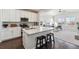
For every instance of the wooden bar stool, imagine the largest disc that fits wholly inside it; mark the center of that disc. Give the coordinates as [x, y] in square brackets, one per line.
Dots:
[50, 38]
[41, 42]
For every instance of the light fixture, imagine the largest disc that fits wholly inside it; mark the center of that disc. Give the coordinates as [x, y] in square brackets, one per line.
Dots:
[60, 10]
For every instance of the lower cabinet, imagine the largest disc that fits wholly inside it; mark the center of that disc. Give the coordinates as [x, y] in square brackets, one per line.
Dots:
[5, 34]
[16, 32]
[10, 33]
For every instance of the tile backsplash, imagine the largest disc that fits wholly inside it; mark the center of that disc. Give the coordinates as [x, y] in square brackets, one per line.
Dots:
[17, 24]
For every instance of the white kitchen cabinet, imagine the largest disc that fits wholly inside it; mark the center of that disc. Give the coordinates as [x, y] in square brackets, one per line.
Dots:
[13, 15]
[16, 32]
[0, 14]
[9, 33]
[1, 35]
[5, 15]
[25, 14]
[17, 16]
[33, 17]
[30, 15]
[10, 15]
[5, 34]
[22, 13]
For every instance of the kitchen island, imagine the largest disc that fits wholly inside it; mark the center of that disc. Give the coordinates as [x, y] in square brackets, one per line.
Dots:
[29, 36]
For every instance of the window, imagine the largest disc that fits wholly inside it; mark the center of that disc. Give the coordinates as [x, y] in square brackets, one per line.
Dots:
[70, 19]
[61, 19]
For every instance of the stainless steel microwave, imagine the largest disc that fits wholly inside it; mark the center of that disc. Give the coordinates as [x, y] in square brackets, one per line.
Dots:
[24, 19]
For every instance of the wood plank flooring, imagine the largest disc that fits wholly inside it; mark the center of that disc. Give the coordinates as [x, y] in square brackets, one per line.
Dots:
[61, 44]
[17, 44]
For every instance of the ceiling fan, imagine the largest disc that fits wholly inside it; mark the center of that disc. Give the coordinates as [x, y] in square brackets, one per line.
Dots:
[60, 10]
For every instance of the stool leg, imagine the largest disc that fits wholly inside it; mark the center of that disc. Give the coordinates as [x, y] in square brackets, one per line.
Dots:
[36, 43]
[53, 41]
[46, 43]
[41, 43]
[49, 42]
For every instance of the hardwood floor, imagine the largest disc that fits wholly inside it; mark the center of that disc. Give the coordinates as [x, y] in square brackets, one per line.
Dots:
[61, 44]
[15, 43]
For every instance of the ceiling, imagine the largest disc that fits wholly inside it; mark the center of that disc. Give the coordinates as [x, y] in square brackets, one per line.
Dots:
[71, 10]
[65, 10]
[36, 10]
[58, 10]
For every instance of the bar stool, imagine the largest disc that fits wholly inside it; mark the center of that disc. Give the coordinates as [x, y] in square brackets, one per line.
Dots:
[41, 42]
[50, 38]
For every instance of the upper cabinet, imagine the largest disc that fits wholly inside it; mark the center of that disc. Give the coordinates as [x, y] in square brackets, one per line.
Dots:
[10, 15]
[13, 15]
[33, 17]
[0, 14]
[17, 15]
[30, 15]
[5, 15]
[24, 14]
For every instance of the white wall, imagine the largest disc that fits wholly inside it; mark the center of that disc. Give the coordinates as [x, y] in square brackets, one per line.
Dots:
[76, 14]
[46, 15]
[69, 27]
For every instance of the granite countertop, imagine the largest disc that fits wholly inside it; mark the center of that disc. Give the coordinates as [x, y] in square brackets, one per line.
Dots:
[37, 30]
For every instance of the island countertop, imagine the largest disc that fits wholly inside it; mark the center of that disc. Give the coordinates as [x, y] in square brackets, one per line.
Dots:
[30, 35]
[37, 30]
